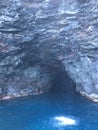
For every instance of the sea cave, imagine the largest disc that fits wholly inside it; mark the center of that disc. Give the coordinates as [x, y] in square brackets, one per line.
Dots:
[48, 64]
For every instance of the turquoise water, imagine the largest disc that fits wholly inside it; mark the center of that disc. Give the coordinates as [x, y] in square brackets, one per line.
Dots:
[48, 112]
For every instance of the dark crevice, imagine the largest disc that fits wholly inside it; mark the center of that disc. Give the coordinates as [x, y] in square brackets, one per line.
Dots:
[62, 82]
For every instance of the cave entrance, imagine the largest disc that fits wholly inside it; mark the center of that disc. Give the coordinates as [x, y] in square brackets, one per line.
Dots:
[62, 82]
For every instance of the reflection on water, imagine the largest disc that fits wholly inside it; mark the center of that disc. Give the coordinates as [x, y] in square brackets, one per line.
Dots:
[61, 120]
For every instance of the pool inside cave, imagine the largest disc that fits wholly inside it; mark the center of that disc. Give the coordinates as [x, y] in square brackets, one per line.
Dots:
[59, 109]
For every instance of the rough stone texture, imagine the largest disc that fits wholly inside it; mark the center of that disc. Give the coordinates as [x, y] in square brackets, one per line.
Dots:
[40, 37]
[31, 80]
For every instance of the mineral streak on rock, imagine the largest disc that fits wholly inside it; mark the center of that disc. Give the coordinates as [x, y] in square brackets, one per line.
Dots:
[6, 48]
[40, 38]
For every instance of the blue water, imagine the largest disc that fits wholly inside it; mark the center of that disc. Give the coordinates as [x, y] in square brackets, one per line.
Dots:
[40, 112]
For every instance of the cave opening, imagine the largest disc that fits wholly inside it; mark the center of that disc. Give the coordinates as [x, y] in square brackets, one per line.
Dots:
[62, 82]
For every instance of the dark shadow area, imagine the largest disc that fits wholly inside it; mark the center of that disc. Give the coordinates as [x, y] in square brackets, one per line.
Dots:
[62, 82]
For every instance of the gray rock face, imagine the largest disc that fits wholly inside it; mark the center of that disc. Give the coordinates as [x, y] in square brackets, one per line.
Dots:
[38, 38]
[31, 80]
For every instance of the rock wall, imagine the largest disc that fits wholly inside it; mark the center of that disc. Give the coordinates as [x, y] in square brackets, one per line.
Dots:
[40, 38]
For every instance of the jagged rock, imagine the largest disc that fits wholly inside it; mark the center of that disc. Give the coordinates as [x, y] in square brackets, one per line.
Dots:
[31, 80]
[43, 37]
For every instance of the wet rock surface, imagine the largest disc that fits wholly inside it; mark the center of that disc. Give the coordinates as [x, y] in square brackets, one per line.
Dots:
[38, 39]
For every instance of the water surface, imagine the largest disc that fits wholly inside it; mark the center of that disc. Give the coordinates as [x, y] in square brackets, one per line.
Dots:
[48, 112]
